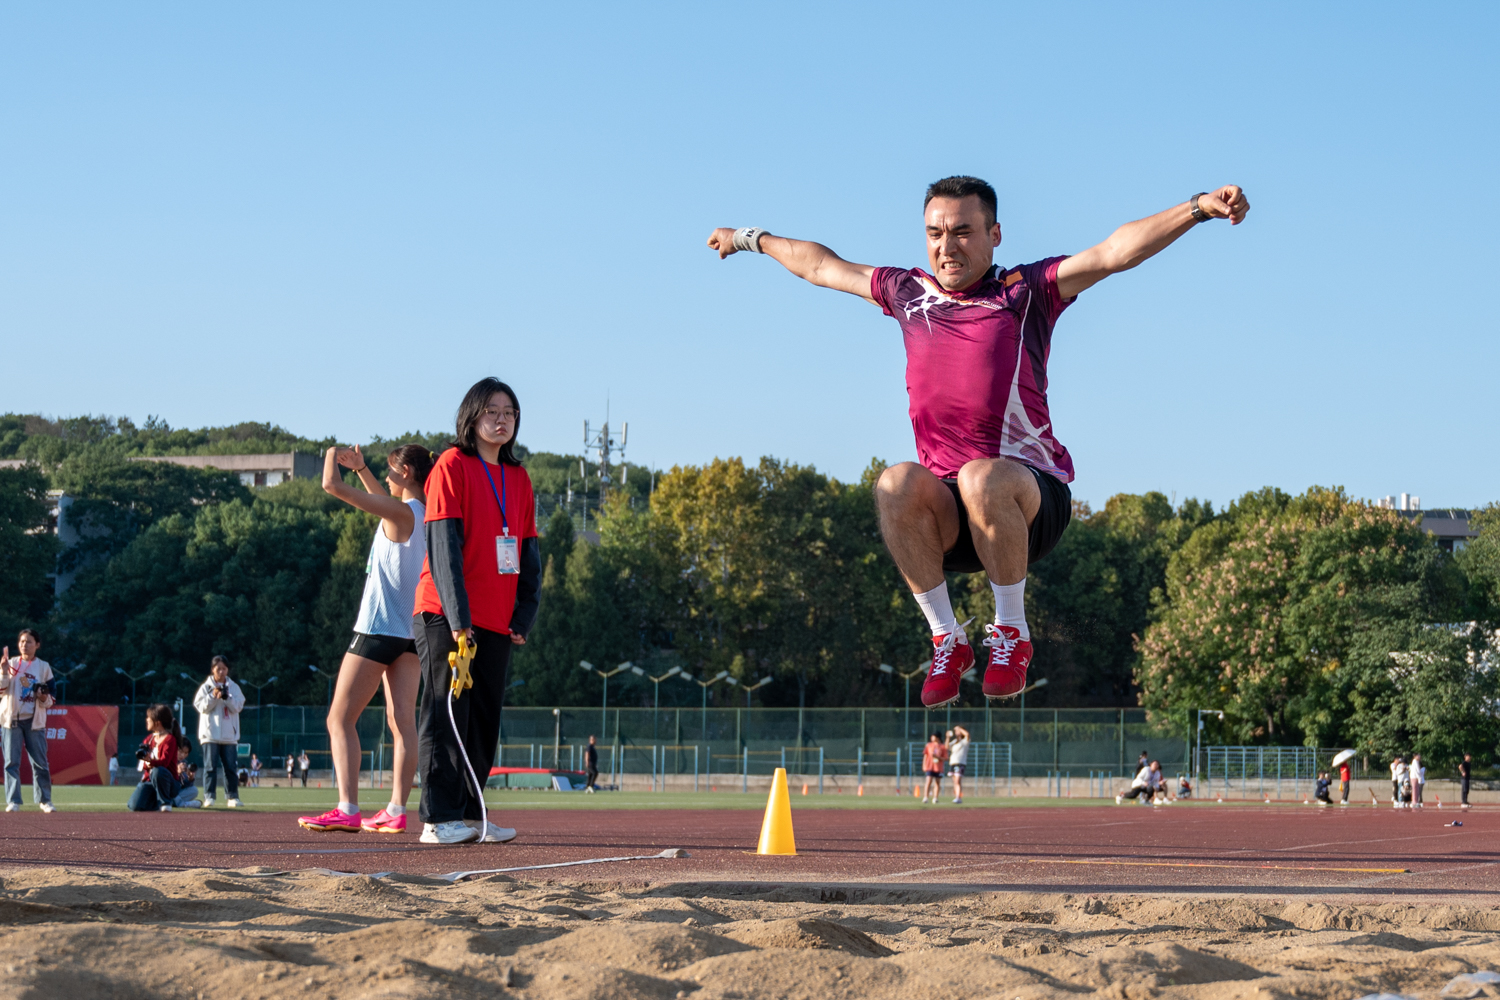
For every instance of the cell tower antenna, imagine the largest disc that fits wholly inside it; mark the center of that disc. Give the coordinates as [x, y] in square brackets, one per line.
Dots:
[608, 447]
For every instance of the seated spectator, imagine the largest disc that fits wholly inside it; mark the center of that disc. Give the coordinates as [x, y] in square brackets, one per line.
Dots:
[1184, 787]
[1321, 794]
[159, 785]
[188, 775]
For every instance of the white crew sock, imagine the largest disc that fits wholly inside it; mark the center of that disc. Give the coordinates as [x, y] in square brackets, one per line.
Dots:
[348, 808]
[938, 609]
[395, 810]
[1010, 607]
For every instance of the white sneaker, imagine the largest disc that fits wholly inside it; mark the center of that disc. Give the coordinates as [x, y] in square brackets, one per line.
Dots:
[12, 807]
[166, 809]
[493, 834]
[234, 804]
[958, 802]
[208, 801]
[455, 832]
[48, 807]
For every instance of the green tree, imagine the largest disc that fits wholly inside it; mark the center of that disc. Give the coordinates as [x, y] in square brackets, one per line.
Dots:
[1282, 612]
[240, 579]
[113, 500]
[28, 551]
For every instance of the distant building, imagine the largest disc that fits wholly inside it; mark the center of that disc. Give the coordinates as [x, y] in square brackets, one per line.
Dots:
[1450, 526]
[254, 470]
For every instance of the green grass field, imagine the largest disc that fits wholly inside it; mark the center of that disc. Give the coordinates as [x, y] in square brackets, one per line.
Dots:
[268, 799]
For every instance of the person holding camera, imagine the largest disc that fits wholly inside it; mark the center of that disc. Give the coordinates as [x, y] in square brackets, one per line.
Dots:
[25, 693]
[159, 785]
[219, 703]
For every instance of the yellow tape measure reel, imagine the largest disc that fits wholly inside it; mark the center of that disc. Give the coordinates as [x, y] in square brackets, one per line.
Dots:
[458, 665]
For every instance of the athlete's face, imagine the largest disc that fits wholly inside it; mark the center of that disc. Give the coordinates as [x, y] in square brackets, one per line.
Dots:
[497, 424]
[961, 241]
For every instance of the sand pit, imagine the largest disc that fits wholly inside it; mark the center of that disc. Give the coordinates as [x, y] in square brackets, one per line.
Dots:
[77, 934]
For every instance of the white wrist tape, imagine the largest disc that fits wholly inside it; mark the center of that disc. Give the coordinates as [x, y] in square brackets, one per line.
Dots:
[748, 239]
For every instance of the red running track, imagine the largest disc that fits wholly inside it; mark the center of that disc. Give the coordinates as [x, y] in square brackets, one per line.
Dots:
[1331, 853]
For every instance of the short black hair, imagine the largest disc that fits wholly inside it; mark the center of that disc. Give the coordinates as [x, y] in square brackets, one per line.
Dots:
[962, 187]
[470, 410]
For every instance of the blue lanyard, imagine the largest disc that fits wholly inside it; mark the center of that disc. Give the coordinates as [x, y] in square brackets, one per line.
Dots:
[499, 497]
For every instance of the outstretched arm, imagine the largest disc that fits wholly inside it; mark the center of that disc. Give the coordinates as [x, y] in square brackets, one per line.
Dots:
[809, 261]
[1138, 241]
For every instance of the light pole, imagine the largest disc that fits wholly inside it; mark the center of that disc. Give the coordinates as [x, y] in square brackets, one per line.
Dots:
[1039, 684]
[330, 683]
[752, 687]
[604, 705]
[268, 683]
[62, 680]
[1198, 753]
[886, 668]
[133, 679]
[656, 704]
[556, 738]
[705, 685]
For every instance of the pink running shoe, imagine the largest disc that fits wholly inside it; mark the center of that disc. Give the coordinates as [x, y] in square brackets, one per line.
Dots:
[384, 822]
[332, 820]
[950, 661]
[1010, 655]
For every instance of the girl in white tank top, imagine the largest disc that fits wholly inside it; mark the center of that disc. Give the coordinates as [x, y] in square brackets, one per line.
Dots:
[382, 652]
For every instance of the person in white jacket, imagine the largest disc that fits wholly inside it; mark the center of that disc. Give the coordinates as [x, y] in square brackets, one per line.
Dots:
[219, 703]
[1144, 784]
[25, 693]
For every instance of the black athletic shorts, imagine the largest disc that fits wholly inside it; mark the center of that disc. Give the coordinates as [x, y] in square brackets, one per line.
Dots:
[957, 770]
[1052, 517]
[383, 649]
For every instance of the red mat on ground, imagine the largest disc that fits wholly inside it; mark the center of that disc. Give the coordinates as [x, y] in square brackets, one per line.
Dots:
[1348, 852]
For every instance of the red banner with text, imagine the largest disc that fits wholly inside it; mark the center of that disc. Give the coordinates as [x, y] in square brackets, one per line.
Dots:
[80, 741]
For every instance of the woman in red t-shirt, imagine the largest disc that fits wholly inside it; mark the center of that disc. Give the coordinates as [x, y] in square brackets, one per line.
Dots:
[482, 578]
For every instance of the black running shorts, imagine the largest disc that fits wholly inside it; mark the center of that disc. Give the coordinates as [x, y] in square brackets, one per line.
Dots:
[383, 649]
[1052, 517]
[957, 770]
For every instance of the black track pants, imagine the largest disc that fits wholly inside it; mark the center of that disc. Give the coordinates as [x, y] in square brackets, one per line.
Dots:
[447, 793]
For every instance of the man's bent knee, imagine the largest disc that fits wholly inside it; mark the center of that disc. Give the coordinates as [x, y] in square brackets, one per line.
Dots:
[905, 481]
[986, 480]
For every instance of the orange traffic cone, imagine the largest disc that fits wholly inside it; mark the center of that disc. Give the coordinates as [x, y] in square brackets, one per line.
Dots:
[804, 788]
[776, 829]
[861, 791]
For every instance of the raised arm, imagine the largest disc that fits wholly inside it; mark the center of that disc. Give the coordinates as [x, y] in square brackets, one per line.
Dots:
[1138, 241]
[397, 520]
[809, 261]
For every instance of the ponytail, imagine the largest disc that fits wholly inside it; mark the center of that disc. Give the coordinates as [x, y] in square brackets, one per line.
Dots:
[415, 457]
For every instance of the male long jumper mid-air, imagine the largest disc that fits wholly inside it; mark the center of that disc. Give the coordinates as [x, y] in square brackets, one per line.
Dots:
[991, 489]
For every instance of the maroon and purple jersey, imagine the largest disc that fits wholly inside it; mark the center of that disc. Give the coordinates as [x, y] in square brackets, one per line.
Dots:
[976, 364]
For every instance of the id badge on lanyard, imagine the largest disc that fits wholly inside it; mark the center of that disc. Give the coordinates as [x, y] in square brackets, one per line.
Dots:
[507, 555]
[507, 548]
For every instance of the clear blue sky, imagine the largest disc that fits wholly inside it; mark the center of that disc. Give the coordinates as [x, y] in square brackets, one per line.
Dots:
[337, 216]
